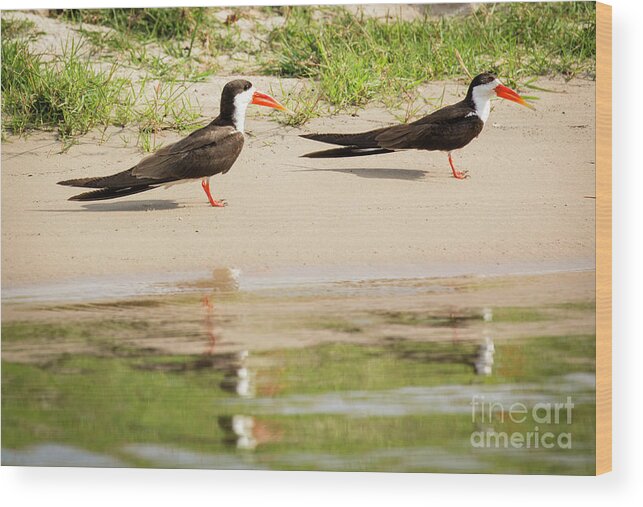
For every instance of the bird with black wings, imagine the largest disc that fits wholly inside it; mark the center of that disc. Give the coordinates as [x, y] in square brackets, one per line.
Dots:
[205, 152]
[447, 129]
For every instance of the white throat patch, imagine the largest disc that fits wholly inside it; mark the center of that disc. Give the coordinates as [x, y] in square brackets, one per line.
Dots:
[241, 102]
[482, 95]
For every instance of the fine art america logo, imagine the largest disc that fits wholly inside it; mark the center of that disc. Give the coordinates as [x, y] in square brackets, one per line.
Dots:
[524, 424]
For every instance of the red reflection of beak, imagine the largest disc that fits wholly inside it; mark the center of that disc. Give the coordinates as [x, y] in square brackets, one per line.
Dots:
[261, 99]
[507, 93]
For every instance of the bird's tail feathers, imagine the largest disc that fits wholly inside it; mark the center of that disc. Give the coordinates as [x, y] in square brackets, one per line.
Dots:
[82, 182]
[348, 151]
[124, 179]
[109, 193]
[354, 145]
[361, 139]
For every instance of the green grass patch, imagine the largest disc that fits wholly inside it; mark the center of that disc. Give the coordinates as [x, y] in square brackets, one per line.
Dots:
[103, 404]
[304, 102]
[116, 46]
[16, 28]
[347, 60]
[67, 93]
[169, 107]
[357, 60]
[180, 29]
[163, 42]
[162, 24]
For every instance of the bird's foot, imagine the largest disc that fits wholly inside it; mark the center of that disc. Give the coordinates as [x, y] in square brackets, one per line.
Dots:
[460, 175]
[221, 203]
[214, 203]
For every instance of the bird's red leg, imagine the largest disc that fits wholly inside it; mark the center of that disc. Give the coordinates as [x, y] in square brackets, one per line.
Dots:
[206, 188]
[457, 174]
[209, 325]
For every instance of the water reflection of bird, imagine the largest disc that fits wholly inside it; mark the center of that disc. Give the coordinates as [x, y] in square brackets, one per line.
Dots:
[484, 361]
[222, 280]
[209, 325]
[246, 432]
[225, 279]
[242, 425]
[238, 378]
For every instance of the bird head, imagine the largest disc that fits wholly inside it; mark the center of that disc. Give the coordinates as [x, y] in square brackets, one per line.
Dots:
[485, 86]
[242, 93]
[236, 97]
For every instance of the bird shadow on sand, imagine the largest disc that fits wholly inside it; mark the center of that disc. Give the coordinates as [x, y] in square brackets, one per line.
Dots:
[381, 173]
[147, 205]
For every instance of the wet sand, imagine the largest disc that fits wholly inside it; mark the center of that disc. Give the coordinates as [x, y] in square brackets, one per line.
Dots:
[527, 207]
[213, 315]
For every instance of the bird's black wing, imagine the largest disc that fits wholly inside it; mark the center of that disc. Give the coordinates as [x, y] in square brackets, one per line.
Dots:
[360, 140]
[449, 128]
[205, 152]
[446, 132]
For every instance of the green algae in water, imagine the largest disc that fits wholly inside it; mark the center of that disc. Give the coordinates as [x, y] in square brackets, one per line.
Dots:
[321, 378]
[331, 406]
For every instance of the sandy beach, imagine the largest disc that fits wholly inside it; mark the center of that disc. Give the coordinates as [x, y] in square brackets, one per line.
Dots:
[528, 205]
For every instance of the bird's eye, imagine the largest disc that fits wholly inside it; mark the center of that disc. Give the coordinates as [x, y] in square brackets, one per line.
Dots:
[247, 86]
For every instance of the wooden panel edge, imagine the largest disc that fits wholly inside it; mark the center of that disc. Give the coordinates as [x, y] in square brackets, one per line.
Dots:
[603, 238]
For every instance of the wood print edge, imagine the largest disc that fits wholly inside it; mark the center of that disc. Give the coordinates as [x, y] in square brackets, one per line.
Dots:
[603, 238]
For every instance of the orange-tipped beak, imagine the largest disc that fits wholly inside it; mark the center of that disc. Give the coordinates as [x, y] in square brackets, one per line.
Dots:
[261, 99]
[507, 93]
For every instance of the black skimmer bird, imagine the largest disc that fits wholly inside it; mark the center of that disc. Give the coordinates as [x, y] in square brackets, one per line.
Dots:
[205, 152]
[447, 129]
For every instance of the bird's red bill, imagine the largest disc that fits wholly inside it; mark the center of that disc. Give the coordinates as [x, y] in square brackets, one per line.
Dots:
[507, 93]
[261, 99]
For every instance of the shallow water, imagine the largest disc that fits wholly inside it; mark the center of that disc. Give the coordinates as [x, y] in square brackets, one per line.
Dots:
[404, 375]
